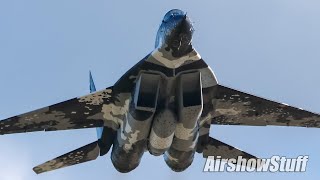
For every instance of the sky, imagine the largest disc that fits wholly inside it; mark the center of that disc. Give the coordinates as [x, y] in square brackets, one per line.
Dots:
[269, 48]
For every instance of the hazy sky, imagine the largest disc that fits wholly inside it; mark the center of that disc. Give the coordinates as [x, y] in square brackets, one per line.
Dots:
[270, 48]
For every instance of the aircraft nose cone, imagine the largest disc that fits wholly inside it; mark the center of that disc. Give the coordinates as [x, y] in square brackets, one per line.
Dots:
[177, 19]
[176, 30]
[174, 14]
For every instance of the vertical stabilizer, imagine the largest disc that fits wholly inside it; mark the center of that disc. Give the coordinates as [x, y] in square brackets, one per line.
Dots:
[92, 86]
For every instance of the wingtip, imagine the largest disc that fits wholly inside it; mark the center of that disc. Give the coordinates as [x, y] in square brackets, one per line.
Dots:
[37, 170]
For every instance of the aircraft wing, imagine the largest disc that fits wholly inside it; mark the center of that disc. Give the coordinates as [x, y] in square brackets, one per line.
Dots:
[83, 112]
[234, 107]
[216, 148]
[84, 154]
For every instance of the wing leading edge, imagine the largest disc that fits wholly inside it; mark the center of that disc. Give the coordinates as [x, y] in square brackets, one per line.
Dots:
[225, 152]
[77, 113]
[84, 154]
[234, 107]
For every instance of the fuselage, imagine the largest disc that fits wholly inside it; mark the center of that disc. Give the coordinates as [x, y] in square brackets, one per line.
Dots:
[164, 111]
[160, 105]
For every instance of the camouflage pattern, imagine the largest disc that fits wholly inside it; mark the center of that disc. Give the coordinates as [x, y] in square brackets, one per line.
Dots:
[166, 123]
[165, 104]
[181, 153]
[237, 108]
[83, 112]
[162, 132]
[92, 88]
[216, 148]
[81, 155]
[134, 130]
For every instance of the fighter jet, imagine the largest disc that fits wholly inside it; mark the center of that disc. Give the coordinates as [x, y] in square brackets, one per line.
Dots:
[165, 104]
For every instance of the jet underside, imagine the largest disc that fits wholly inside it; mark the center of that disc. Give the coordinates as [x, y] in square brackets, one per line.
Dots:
[166, 112]
[165, 104]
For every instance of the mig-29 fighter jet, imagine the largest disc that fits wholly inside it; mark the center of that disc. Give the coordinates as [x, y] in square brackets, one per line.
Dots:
[165, 104]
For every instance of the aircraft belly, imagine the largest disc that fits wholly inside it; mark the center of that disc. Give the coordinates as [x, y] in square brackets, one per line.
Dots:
[162, 132]
[134, 130]
[189, 109]
[164, 123]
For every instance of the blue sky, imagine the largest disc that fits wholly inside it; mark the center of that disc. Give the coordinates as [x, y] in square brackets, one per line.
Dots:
[270, 48]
